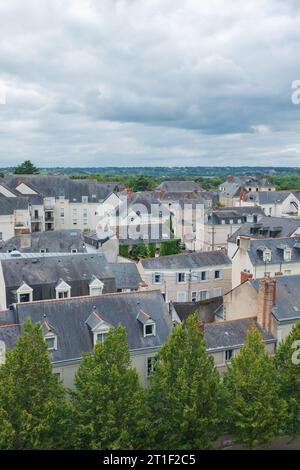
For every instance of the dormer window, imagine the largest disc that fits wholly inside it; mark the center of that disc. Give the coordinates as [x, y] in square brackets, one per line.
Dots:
[101, 337]
[149, 329]
[24, 293]
[287, 254]
[267, 256]
[98, 327]
[63, 290]
[51, 342]
[96, 286]
[149, 326]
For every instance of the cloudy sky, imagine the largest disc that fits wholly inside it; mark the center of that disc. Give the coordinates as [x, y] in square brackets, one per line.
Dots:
[149, 82]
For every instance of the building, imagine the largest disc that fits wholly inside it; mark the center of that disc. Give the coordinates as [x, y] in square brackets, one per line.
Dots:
[127, 276]
[14, 217]
[66, 203]
[73, 326]
[267, 227]
[274, 203]
[30, 277]
[224, 339]
[219, 225]
[178, 187]
[56, 241]
[272, 256]
[234, 189]
[275, 302]
[188, 276]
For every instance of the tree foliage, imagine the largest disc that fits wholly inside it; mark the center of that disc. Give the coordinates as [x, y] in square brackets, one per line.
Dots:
[26, 168]
[288, 367]
[184, 393]
[108, 401]
[32, 401]
[254, 409]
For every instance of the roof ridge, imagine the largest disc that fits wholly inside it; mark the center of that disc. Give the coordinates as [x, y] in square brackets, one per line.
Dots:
[89, 296]
[231, 321]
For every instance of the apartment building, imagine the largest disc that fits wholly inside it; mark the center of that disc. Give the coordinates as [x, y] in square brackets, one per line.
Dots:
[234, 189]
[73, 326]
[274, 203]
[188, 277]
[273, 256]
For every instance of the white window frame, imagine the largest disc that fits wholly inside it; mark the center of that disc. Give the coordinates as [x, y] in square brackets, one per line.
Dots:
[201, 292]
[288, 252]
[24, 289]
[150, 323]
[231, 350]
[96, 287]
[63, 288]
[160, 278]
[54, 337]
[177, 277]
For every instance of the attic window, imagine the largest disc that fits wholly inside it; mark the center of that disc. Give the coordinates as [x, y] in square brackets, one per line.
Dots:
[51, 342]
[287, 254]
[149, 329]
[63, 290]
[101, 337]
[267, 255]
[24, 293]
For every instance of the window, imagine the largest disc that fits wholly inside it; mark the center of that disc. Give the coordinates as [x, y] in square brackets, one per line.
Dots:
[180, 277]
[287, 255]
[231, 221]
[228, 354]
[157, 278]
[149, 329]
[239, 221]
[97, 290]
[151, 362]
[63, 294]
[223, 222]
[267, 255]
[181, 296]
[287, 272]
[51, 343]
[203, 295]
[193, 296]
[24, 298]
[74, 250]
[218, 274]
[85, 199]
[218, 292]
[101, 336]
[204, 276]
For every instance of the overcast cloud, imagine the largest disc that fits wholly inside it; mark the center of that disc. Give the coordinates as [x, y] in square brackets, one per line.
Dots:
[149, 82]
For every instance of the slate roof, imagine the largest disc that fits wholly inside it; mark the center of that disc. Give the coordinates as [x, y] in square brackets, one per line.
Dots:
[71, 189]
[204, 308]
[233, 187]
[8, 205]
[126, 275]
[233, 213]
[256, 247]
[43, 272]
[187, 260]
[143, 198]
[287, 300]
[231, 334]
[69, 316]
[55, 241]
[267, 227]
[179, 186]
[267, 197]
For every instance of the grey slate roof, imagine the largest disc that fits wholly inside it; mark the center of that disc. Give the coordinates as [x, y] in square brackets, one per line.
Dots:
[126, 275]
[68, 317]
[8, 205]
[267, 227]
[187, 260]
[55, 241]
[267, 197]
[204, 308]
[42, 274]
[179, 186]
[231, 334]
[56, 186]
[287, 301]
[233, 187]
[233, 213]
[255, 250]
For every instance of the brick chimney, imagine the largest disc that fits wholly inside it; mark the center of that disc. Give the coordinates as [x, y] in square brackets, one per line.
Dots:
[266, 301]
[245, 276]
[129, 194]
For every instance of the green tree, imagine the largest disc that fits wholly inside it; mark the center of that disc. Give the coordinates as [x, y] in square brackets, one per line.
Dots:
[108, 400]
[184, 394]
[26, 168]
[141, 183]
[32, 401]
[288, 367]
[140, 251]
[7, 433]
[170, 247]
[254, 409]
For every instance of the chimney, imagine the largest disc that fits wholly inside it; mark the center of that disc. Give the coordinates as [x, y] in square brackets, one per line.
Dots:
[245, 276]
[25, 240]
[129, 194]
[266, 301]
[229, 179]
